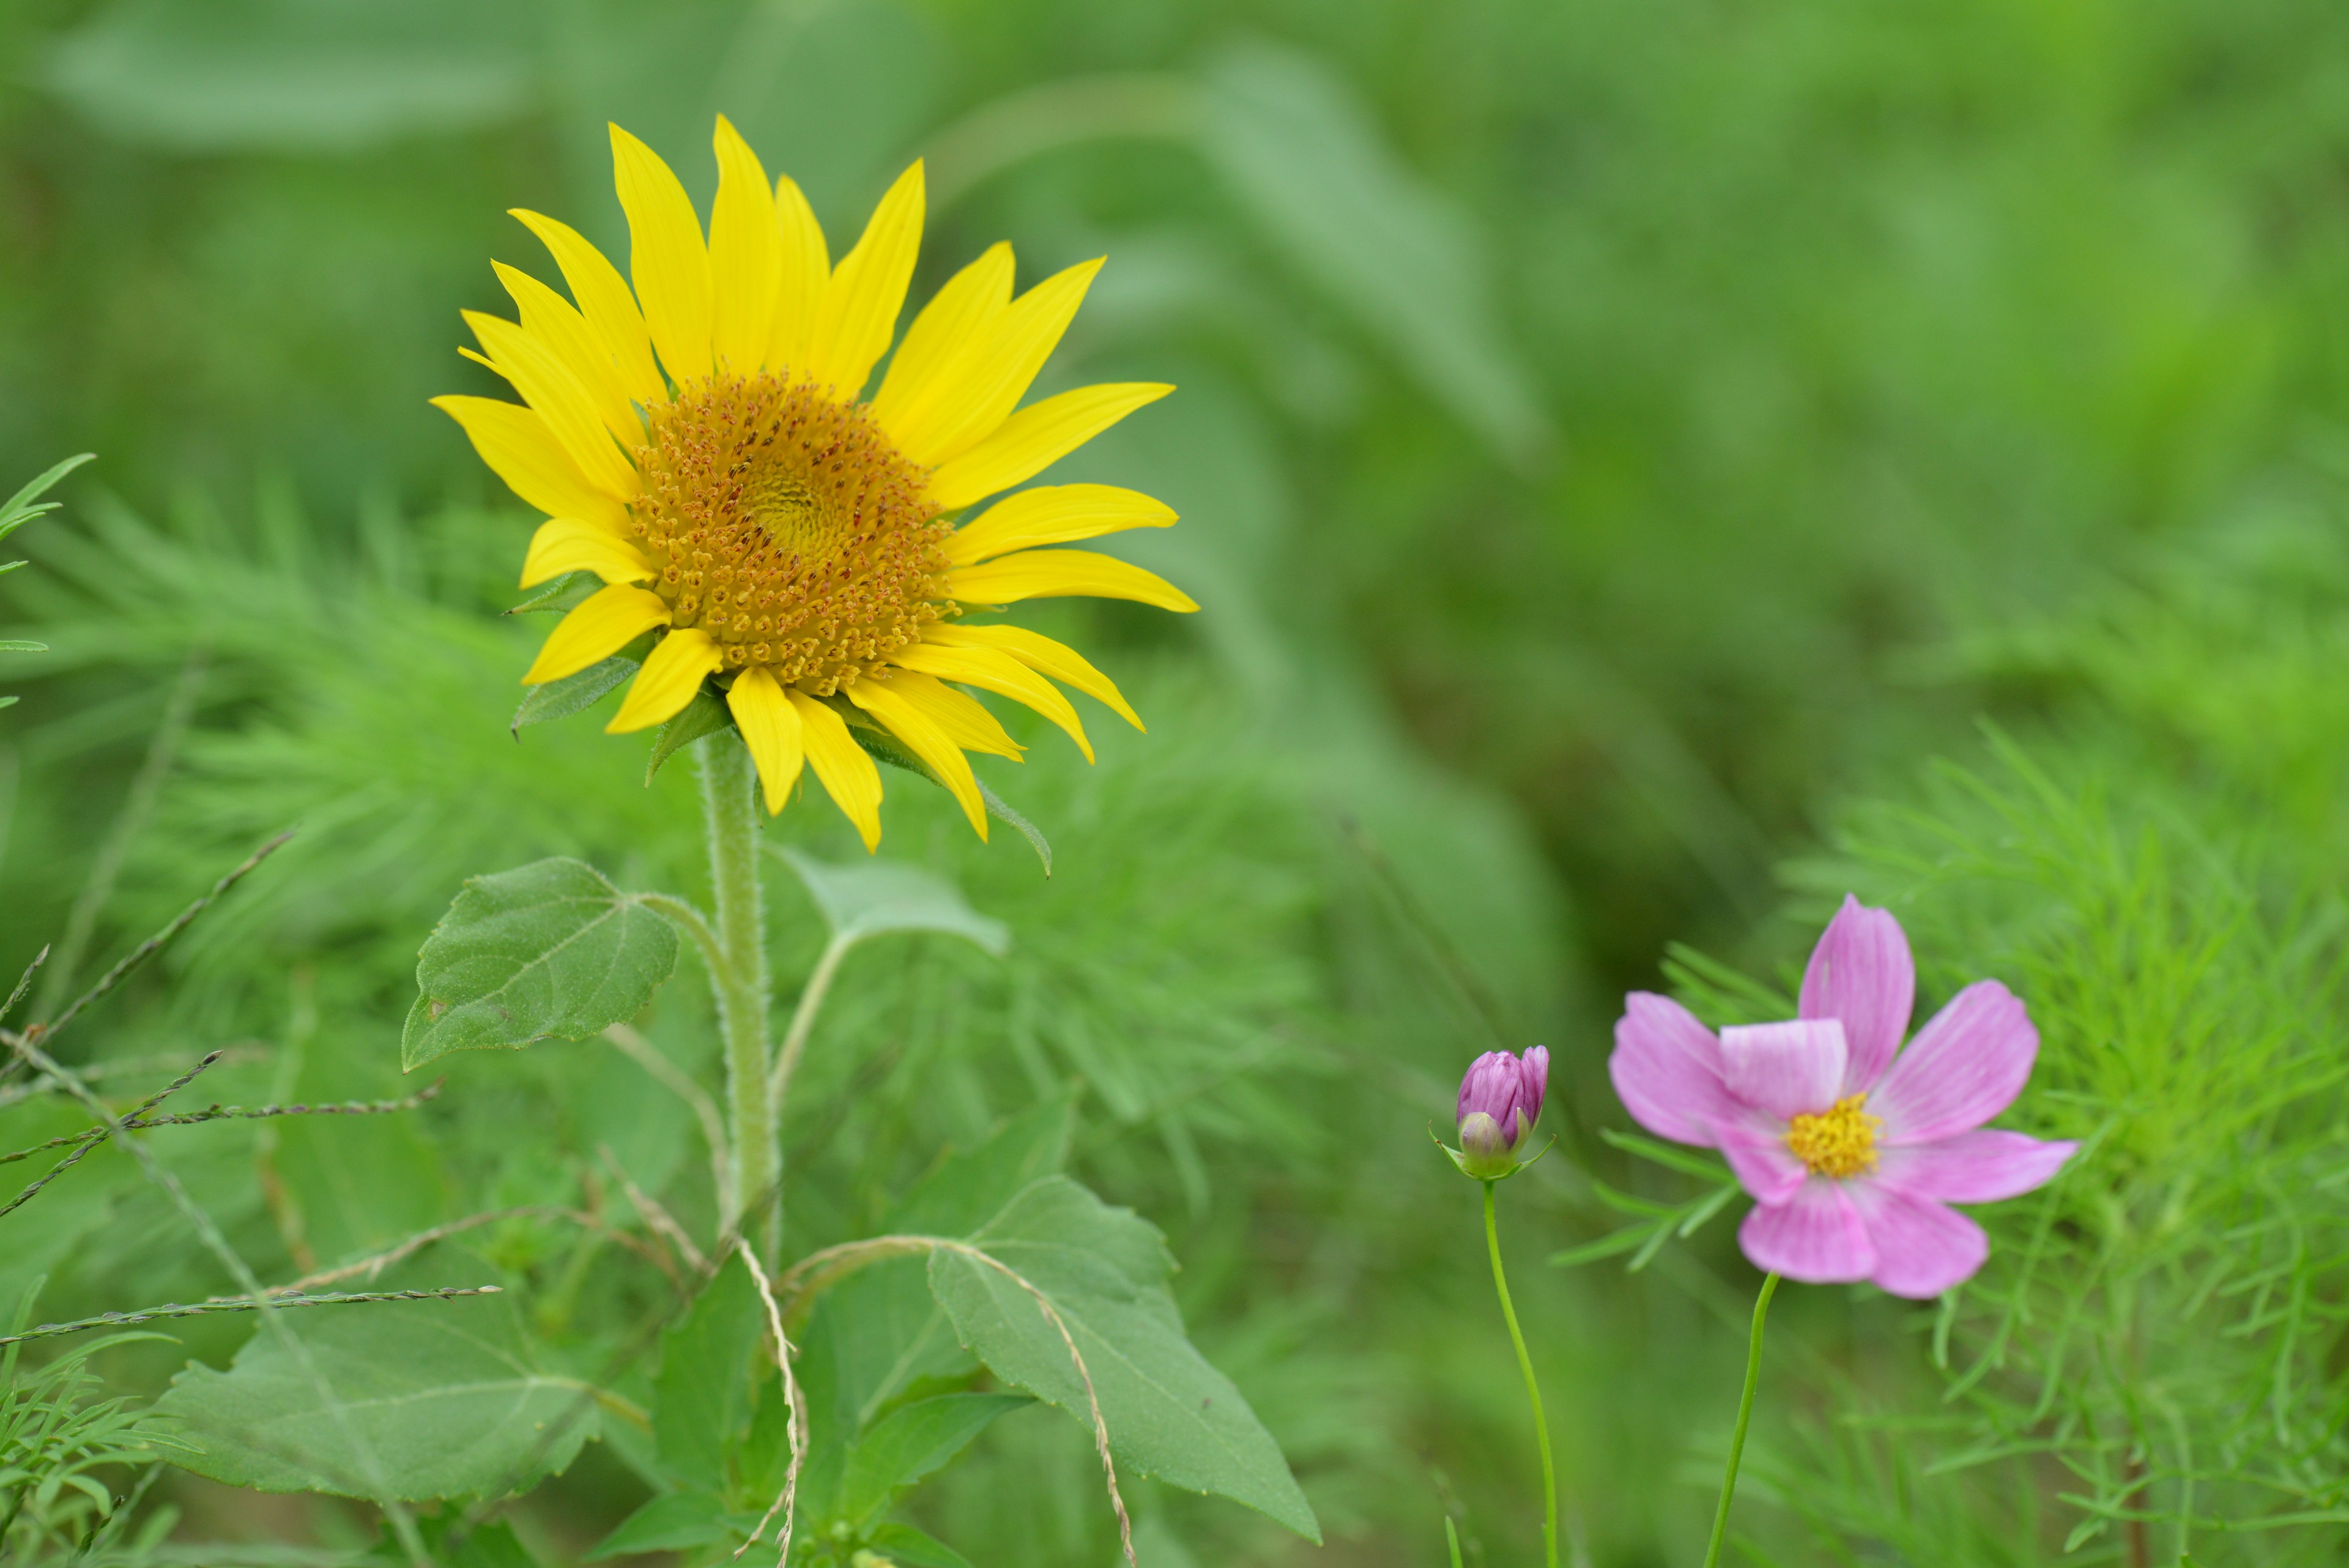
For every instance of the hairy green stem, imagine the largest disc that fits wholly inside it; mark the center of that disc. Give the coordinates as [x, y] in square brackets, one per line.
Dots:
[1745, 1415]
[730, 809]
[1533, 1389]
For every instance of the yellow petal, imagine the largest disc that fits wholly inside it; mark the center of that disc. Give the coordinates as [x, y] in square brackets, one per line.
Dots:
[604, 300]
[1057, 574]
[665, 256]
[798, 291]
[987, 380]
[846, 772]
[549, 318]
[545, 385]
[566, 545]
[859, 312]
[521, 449]
[911, 723]
[1042, 654]
[598, 627]
[746, 255]
[966, 309]
[965, 719]
[1054, 515]
[1036, 437]
[992, 669]
[668, 679]
[771, 729]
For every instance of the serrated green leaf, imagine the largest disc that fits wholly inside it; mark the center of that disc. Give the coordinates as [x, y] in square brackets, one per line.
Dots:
[560, 597]
[911, 1443]
[1169, 1413]
[705, 715]
[548, 951]
[444, 1395]
[883, 747]
[675, 1522]
[905, 1545]
[875, 898]
[456, 1540]
[560, 698]
[701, 1399]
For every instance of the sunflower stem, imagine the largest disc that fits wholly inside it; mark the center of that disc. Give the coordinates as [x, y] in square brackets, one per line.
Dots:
[729, 808]
[1745, 1415]
[1533, 1389]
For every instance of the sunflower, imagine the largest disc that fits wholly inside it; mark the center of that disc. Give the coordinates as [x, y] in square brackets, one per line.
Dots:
[702, 443]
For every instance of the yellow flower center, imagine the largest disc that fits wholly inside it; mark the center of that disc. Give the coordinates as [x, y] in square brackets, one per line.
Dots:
[1840, 1141]
[788, 527]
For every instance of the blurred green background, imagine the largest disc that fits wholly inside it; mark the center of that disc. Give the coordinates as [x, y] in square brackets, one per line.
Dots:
[1612, 438]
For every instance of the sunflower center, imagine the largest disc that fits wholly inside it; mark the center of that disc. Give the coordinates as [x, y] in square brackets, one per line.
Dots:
[1840, 1141]
[788, 527]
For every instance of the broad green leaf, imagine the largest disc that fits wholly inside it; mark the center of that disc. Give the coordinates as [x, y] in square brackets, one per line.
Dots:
[443, 1394]
[883, 747]
[967, 1190]
[560, 698]
[875, 897]
[548, 951]
[702, 1396]
[1103, 1270]
[903, 1543]
[675, 1522]
[705, 715]
[912, 1443]
[1312, 168]
[457, 1541]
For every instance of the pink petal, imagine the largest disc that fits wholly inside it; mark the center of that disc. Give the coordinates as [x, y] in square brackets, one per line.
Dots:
[1963, 1067]
[1756, 1147]
[1786, 1069]
[1979, 1166]
[1862, 975]
[1922, 1248]
[1817, 1236]
[1667, 1069]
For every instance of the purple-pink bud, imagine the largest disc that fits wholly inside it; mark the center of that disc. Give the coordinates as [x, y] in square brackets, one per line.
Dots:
[1507, 1088]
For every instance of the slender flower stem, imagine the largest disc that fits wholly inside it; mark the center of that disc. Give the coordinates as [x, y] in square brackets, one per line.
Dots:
[1745, 1415]
[730, 811]
[1533, 1389]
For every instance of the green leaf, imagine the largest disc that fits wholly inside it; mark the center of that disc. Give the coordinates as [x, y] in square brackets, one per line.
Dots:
[914, 1548]
[443, 1394]
[912, 1443]
[562, 596]
[548, 951]
[705, 715]
[701, 1399]
[20, 509]
[967, 1190]
[675, 1522]
[560, 698]
[455, 1541]
[1169, 1413]
[1672, 1157]
[875, 898]
[18, 645]
[883, 747]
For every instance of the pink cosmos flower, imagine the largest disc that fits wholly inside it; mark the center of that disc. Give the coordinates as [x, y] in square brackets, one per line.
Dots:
[1852, 1147]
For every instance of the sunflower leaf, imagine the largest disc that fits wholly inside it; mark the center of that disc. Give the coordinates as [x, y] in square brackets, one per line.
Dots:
[705, 715]
[548, 951]
[561, 596]
[560, 698]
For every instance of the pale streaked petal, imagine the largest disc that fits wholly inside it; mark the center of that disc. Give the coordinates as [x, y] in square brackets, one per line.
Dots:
[566, 545]
[1042, 654]
[669, 680]
[1922, 1248]
[1980, 1167]
[604, 299]
[521, 449]
[597, 627]
[554, 321]
[1861, 973]
[667, 257]
[1666, 1068]
[546, 385]
[1963, 1067]
[746, 259]
[1816, 1236]
[1054, 515]
[806, 268]
[1049, 574]
[1789, 1069]
[1756, 1146]
[923, 737]
[858, 315]
[1037, 437]
[992, 669]
[841, 766]
[771, 728]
